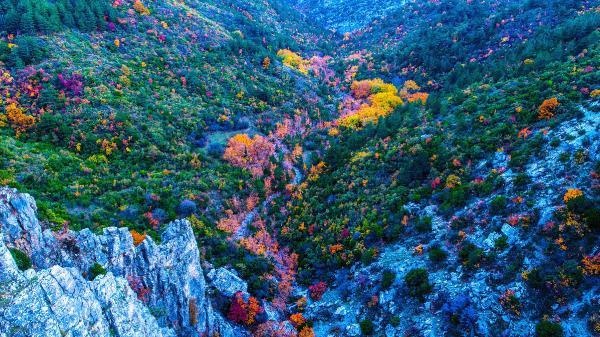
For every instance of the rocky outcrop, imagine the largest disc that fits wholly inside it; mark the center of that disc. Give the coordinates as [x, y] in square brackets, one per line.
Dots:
[226, 282]
[165, 279]
[60, 302]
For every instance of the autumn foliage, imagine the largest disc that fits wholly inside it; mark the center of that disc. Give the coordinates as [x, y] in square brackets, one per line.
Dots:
[136, 284]
[378, 99]
[548, 108]
[137, 237]
[243, 312]
[365, 88]
[306, 332]
[572, 193]
[317, 290]
[293, 60]
[140, 8]
[250, 153]
[193, 311]
[297, 319]
[420, 97]
[509, 301]
[266, 63]
[274, 329]
[591, 264]
[18, 120]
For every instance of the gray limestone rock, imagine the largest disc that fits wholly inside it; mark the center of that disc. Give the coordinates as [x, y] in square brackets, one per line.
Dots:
[150, 289]
[226, 282]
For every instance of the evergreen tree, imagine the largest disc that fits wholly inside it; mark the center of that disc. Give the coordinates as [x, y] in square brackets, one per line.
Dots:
[27, 24]
[44, 16]
[11, 21]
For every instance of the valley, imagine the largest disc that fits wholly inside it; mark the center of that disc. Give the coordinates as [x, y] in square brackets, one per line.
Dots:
[299, 168]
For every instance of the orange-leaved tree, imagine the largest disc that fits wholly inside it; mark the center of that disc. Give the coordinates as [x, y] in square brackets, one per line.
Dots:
[306, 332]
[140, 8]
[418, 97]
[18, 120]
[571, 194]
[266, 63]
[366, 88]
[378, 99]
[244, 312]
[250, 153]
[137, 237]
[548, 108]
[297, 319]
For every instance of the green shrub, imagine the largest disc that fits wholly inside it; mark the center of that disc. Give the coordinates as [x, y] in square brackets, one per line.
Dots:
[501, 242]
[579, 204]
[368, 256]
[455, 197]
[387, 279]
[96, 269]
[522, 180]
[470, 255]
[417, 281]
[518, 158]
[592, 218]
[498, 205]
[437, 254]
[21, 259]
[548, 329]
[424, 225]
[570, 270]
[367, 327]
[564, 157]
[536, 278]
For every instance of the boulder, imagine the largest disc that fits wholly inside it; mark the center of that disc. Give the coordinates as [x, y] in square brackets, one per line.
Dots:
[226, 282]
[511, 232]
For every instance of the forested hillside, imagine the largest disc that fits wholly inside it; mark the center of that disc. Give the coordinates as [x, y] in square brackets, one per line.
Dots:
[348, 168]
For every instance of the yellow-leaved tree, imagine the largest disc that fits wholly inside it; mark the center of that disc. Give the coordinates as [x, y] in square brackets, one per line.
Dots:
[382, 98]
[293, 60]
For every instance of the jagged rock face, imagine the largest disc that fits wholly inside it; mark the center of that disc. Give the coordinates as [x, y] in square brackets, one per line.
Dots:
[167, 279]
[19, 221]
[60, 302]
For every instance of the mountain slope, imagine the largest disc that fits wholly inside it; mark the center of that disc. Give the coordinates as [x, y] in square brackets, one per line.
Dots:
[345, 168]
[357, 14]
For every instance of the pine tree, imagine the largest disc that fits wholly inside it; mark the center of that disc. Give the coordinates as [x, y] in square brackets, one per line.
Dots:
[27, 24]
[66, 10]
[11, 21]
[53, 19]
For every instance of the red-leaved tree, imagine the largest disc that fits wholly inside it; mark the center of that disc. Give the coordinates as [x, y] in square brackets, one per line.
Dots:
[243, 312]
[317, 290]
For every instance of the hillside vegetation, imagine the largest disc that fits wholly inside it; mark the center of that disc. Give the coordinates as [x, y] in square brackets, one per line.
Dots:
[312, 143]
